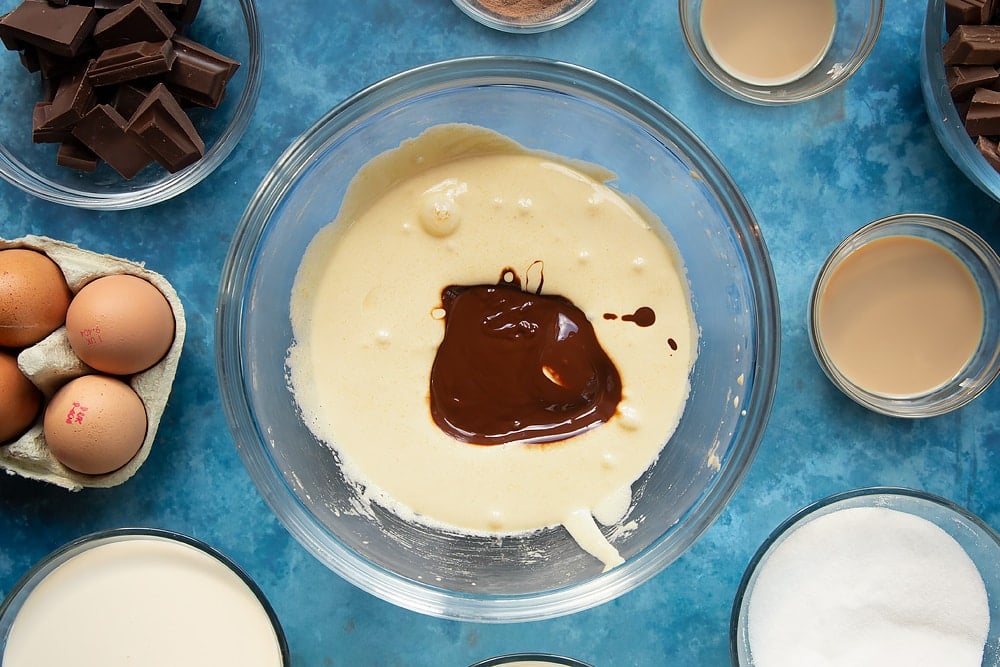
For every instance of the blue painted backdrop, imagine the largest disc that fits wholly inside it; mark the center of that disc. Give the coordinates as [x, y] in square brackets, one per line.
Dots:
[811, 172]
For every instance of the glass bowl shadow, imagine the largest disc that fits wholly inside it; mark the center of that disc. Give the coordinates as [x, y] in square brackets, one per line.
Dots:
[230, 28]
[576, 113]
[945, 119]
[858, 25]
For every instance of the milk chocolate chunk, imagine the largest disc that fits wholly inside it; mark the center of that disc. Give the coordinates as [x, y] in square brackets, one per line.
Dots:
[199, 74]
[75, 155]
[961, 12]
[165, 131]
[518, 366]
[138, 21]
[983, 117]
[132, 61]
[990, 151]
[102, 130]
[61, 31]
[973, 45]
[963, 80]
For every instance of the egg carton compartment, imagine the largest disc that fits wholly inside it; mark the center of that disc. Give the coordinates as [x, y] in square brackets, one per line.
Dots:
[51, 363]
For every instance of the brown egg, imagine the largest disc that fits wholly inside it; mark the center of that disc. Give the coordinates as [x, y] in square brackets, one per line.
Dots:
[34, 297]
[120, 324]
[94, 424]
[19, 399]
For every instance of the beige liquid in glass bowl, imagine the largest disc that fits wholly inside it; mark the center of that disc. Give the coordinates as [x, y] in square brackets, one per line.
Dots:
[142, 600]
[768, 42]
[900, 316]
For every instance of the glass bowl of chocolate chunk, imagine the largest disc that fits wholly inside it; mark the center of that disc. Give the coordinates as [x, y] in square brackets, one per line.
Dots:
[960, 80]
[497, 339]
[119, 104]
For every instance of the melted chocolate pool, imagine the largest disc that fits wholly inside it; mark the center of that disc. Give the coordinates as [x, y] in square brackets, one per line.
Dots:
[518, 366]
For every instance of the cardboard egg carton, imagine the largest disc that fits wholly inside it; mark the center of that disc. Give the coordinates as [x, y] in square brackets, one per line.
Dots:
[51, 363]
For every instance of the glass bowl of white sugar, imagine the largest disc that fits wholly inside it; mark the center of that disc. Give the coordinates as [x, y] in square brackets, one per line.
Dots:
[872, 576]
[774, 52]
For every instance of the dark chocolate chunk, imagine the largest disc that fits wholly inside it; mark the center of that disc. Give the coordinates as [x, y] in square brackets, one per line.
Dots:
[127, 99]
[54, 68]
[963, 81]
[61, 31]
[199, 74]
[41, 131]
[132, 61]
[988, 11]
[961, 12]
[189, 11]
[29, 58]
[973, 45]
[990, 151]
[75, 155]
[983, 117]
[105, 6]
[73, 99]
[138, 21]
[103, 131]
[165, 131]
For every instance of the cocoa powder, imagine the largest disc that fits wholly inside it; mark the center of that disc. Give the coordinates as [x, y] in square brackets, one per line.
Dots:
[525, 10]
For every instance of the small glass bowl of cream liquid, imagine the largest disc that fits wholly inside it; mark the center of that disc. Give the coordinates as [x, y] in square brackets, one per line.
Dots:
[779, 51]
[139, 597]
[904, 316]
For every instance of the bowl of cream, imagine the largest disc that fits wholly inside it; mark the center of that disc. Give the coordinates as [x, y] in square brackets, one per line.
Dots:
[497, 339]
[141, 596]
[872, 576]
[904, 314]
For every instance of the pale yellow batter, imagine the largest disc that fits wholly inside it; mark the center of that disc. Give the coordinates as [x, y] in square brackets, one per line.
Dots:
[456, 206]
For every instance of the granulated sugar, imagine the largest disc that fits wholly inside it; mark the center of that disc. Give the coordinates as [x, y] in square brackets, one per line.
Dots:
[868, 586]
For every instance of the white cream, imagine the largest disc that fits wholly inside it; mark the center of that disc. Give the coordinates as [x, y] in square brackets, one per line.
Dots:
[142, 601]
[456, 206]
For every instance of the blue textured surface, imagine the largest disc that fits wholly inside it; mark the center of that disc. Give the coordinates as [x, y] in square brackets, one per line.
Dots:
[812, 173]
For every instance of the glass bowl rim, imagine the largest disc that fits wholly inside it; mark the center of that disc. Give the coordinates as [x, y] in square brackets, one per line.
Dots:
[62, 554]
[803, 513]
[572, 12]
[174, 184]
[766, 95]
[507, 658]
[941, 109]
[387, 585]
[907, 407]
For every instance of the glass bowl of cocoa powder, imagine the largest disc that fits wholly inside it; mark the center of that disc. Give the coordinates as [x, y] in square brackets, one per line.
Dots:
[524, 16]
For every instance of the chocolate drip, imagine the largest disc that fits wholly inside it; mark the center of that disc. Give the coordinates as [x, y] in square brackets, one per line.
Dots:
[515, 366]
